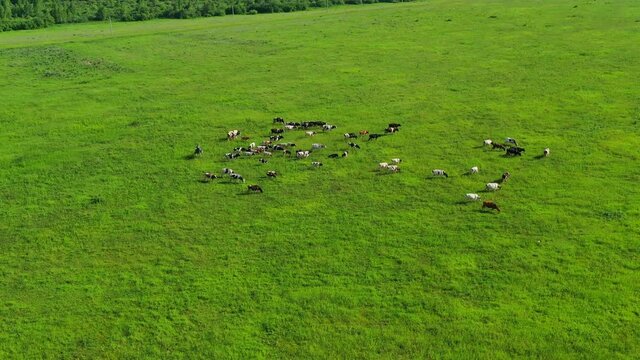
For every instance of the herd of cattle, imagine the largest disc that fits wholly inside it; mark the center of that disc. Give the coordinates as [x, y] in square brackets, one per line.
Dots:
[271, 145]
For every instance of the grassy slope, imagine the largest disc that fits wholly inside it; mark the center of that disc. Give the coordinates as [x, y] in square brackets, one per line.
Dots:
[338, 261]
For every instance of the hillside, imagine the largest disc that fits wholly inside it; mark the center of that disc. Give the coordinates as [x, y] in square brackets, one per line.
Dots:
[112, 246]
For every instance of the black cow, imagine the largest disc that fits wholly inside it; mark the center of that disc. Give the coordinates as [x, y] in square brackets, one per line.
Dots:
[254, 188]
[198, 151]
[515, 151]
[354, 145]
[278, 120]
[277, 131]
[394, 125]
[271, 173]
[276, 137]
[374, 136]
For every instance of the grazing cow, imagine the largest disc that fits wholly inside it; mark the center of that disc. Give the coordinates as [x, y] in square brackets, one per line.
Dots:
[546, 152]
[497, 146]
[271, 173]
[317, 146]
[490, 205]
[290, 127]
[316, 164]
[227, 171]
[364, 132]
[394, 125]
[383, 165]
[374, 136]
[354, 145]
[396, 160]
[488, 142]
[250, 153]
[231, 135]
[505, 176]
[511, 141]
[279, 147]
[334, 156]
[277, 131]
[267, 153]
[287, 152]
[198, 151]
[515, 151]
[345, 153]
[350, 136]
[302, 154]
[390, 130]
[474, 170]
[327, 127]
[276, 137]
[236, 176]
[210, 176]
[310, 133]
[492, 186]
[278, 120]
[393, 168]
[254, 188]
[438, 172]
[472, 196]
[231, 155]
[264, 161]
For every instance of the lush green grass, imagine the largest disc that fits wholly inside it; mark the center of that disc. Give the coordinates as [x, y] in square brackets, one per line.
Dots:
[111, 247]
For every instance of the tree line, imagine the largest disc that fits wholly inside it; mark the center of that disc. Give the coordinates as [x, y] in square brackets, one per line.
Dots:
[32, 14]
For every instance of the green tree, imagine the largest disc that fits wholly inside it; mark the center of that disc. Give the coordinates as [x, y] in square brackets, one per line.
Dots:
[5, 9]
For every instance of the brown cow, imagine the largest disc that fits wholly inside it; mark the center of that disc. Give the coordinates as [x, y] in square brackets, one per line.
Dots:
[364, 132]
[490, 205]
[254, 188]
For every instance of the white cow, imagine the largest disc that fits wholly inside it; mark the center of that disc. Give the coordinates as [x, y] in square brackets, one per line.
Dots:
[383, 165]
[310, 133]
[492, 186]
[290, 127]
[488, 142]
[316, 164]
[317, 146]
[474, 170]
[393, 168]
[302, 154]
[472, 196]
[396, 160]
[547, 151]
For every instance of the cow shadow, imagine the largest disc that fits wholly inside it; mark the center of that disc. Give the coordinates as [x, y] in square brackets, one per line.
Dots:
[190, 157]
[538, 157]
[465, 202]
[483, 211]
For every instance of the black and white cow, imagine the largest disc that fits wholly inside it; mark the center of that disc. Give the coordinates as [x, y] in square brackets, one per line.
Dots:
[439, 172]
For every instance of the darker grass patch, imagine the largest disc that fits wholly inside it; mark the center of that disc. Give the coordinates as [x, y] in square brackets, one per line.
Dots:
[60, 63]
[613, 215]
[96, 200]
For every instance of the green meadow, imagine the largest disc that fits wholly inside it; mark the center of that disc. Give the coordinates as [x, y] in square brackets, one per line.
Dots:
[112, 247]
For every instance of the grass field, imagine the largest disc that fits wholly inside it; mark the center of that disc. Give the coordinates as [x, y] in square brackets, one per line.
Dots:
[111, 247]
